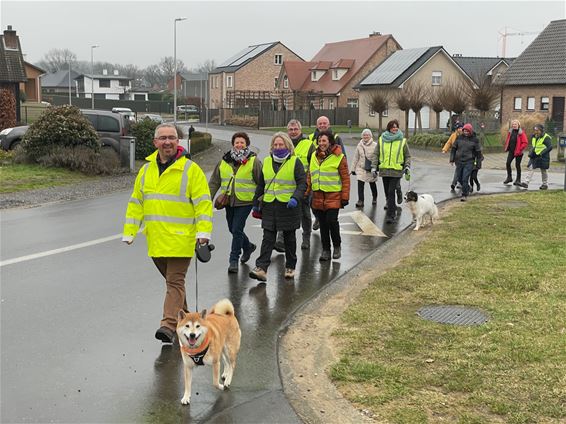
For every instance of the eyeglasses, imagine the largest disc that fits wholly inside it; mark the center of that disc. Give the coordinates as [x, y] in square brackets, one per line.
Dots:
[167, 137]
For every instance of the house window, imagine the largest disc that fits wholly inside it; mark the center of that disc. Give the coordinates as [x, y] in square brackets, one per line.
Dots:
[124, 83]
[436, 77]
[544, 101]
[313, 75]
[278, 59]
[285, 82]
[104, 83]
[352, 103]
[385, 113]
[229, 81]
[321, 104]
[371, 112]
[517, 103]
[330, 103]
[530, 103]
[335, 75]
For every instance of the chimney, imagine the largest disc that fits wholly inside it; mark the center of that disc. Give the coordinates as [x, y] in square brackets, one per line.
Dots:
[10, 38]
[116, 72]
[105, 72]
[375, 34]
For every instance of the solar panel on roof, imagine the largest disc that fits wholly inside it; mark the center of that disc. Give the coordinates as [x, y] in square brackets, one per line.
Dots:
[257, 50]
[236, 56]
[394, 66]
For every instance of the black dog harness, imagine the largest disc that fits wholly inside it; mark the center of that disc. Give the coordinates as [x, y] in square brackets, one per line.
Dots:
[198, 358]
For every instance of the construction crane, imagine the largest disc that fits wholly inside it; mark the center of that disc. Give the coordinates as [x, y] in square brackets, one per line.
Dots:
[504, 34]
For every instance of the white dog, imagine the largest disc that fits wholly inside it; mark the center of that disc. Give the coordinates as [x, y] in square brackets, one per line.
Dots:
[421, 206]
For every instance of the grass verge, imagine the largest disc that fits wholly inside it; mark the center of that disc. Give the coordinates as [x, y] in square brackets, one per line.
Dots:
[17, 177]
[503, 254]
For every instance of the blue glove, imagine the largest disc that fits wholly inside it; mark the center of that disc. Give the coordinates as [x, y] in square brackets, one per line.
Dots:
[292, 203]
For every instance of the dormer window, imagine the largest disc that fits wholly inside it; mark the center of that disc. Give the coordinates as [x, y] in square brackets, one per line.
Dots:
[285, 82]
[338, 73]
[316, 75]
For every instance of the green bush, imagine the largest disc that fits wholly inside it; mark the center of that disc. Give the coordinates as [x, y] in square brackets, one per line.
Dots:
[59, 127]
[428, 140]
[6, 156]
[200, 141]
[82, 159]
[144, 131]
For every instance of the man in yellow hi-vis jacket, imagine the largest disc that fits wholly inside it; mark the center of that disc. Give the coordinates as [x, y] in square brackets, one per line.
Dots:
[172, 199]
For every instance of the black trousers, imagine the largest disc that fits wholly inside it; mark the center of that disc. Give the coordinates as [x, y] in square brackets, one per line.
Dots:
[372, 186]
[329, 227]
[390, 188]
[474, 178]
[267, 244]
[518, 159]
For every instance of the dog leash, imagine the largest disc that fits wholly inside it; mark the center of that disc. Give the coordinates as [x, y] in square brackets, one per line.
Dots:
[196, 283]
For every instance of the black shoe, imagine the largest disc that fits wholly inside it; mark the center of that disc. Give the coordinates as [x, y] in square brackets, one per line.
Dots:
[524, 185]
[507, 180]
[279, 247]
[306, 244]
[463, 199]
[325, 256]
[478, 189]
[374, 201]
[233, 267]
[471, 189]
[517, 183]
[385, 208]
[165, 334]
[452, 188]
[543, 187]
[359, 204]
[316, 225]
[337, 254]
[247, 253]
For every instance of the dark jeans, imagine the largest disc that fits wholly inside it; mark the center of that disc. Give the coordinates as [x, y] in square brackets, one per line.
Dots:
[267, 244]
[329, 227]
[518, 159]
[474, 178]
[464, 170]
[236, 218]
[390, 187]
[306, 219]
[372, 186]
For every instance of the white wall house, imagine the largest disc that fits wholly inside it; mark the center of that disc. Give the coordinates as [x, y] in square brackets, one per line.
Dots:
[110, 87]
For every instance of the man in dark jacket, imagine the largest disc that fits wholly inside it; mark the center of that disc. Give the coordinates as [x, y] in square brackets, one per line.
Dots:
[465, 151]
[539, 156]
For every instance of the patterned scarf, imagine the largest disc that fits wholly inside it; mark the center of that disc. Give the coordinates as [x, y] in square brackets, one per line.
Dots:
[240, 156]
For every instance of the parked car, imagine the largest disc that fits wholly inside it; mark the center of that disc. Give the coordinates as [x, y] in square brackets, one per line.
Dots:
[153, 117]
[187, 109]
[11, 137]
[109, 126]
[127, 112]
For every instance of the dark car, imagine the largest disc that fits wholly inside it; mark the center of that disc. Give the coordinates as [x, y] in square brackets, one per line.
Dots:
[109, 126]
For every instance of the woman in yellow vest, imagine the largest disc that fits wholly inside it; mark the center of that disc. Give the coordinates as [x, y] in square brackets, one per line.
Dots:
[237, 175]
[281, 186]
[329, 180]
[539, 156]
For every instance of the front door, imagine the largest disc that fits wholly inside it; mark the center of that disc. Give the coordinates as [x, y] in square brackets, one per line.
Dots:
[558, 113]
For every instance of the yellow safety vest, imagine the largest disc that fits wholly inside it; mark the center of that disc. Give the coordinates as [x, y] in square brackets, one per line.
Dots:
[538, 143]
[174, 206]
[302, 151]
[282, 185]
[244, 184]
[325, 175]
[391, 155]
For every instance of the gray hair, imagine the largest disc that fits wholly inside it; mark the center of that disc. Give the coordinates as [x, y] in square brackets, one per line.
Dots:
[166, 125]
[367, 131]
[295, 122]
[286, 140]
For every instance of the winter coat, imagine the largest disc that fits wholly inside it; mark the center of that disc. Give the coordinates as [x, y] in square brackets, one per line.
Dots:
[542, 160]
[446, 148]
[362, 152]
[215, 181]
[466, 149]
[276, 216]
[389, 172]
[521, 144]
[331, 200]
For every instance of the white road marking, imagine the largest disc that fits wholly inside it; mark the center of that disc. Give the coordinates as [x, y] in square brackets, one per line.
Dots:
[60, 250]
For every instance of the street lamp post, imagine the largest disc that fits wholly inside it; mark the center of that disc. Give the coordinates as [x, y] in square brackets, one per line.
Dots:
[175, 68]
[70, 82]
[92, 74]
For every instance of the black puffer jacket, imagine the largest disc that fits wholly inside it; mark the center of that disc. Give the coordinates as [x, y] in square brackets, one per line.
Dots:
[275, 215]
[467, 149]
[541, 161]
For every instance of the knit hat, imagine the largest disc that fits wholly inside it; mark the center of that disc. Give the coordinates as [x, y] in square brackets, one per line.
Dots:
[469, 128]
[539, 127]
[458, 125]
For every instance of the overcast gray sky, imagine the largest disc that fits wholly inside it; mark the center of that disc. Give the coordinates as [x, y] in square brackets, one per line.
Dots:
[141, 32]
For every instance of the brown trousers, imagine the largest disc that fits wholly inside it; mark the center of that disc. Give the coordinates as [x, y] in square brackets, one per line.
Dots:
[174, 271]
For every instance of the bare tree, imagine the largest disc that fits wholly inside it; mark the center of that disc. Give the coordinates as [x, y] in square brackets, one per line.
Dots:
[56, 59]
[484, 94]
[167, 67]
[205, 67]
[379, 102]
[417, 97]
[403, 103]
[153, 75]
[456, 96]
[436, 103]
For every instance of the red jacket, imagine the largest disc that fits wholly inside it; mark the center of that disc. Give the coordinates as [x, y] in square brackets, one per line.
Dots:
[332, 200]
[521, 145]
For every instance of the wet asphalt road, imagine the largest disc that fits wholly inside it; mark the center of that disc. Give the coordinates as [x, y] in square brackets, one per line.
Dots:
[77, 324]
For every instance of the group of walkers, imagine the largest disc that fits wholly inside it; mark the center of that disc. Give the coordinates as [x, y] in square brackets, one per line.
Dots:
[466, 154]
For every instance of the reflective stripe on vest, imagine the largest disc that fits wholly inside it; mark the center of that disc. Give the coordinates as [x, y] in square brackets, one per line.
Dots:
[244, 183]
[302, 151]
[538, 143]
[325, 175]
[282, 185]
[391, 154]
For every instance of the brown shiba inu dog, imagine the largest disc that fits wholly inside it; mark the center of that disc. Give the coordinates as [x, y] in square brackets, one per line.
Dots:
[206, 338]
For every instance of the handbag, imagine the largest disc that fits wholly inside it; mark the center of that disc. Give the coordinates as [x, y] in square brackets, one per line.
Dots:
[367, 162]
[223, 199]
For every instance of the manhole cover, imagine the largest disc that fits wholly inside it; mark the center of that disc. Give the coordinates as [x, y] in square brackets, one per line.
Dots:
[450, 314]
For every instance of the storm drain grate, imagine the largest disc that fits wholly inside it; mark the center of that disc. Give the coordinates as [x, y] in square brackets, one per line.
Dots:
[451, 314]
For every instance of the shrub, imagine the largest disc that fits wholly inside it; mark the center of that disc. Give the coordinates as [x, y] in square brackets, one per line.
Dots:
[59, 127]
[8, 109]
[6, 156]
[527, 121]
[144, 131]
[82, 159]
[428, 140]
[242, 121]
[200, 141]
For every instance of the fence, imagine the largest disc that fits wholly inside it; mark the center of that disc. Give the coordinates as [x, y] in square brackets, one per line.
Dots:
[141, 106]
[308, 117]
[30, 112]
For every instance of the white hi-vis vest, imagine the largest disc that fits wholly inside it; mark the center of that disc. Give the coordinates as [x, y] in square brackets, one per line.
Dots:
[174, 206]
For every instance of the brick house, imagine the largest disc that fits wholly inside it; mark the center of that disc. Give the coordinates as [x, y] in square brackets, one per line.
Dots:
[248, 77]
[427, 67]
[12, 73]
[328, 80]
[536, 81]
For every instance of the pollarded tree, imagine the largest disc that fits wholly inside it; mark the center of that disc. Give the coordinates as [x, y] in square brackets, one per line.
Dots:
[485, 94]
[379, 103]
[436, 103]
[417, 97]
[404, 104]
